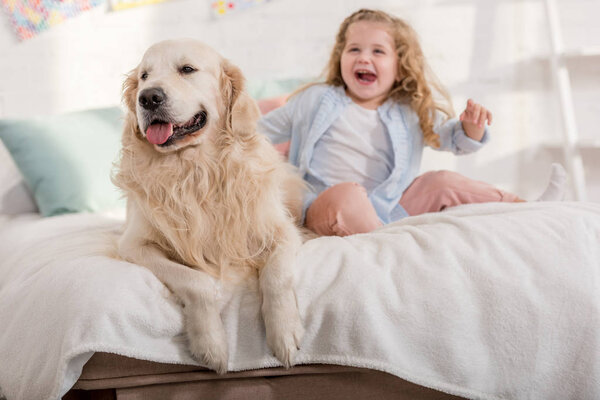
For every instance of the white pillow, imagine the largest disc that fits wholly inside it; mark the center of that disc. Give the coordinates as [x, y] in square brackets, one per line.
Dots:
[15, 197]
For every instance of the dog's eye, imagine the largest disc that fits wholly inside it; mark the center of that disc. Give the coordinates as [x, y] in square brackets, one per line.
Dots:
[144, 76]
[187, 69]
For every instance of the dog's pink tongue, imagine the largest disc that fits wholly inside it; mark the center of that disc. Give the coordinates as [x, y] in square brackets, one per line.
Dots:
[159, 133]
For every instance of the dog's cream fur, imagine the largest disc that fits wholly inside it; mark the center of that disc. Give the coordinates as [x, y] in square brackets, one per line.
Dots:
[215, 202]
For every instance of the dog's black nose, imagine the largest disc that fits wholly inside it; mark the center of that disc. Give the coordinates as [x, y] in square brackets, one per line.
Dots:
[152, 98]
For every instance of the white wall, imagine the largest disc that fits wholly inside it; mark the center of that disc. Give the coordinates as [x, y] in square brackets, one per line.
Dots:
[492, 50]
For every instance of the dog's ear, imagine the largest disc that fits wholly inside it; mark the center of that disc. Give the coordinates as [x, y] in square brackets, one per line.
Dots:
[130, 87]
[241, 111]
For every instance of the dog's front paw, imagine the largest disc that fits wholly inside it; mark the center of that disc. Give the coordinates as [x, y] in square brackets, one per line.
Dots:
[211, 350]
[284, 331]
[208, 342]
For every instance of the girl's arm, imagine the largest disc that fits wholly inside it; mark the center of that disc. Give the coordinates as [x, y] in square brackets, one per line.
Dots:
[277, 124]
[467, 134]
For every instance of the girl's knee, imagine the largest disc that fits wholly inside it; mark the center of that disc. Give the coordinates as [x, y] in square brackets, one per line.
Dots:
[346, 198]
[347, 190]
[341, 210]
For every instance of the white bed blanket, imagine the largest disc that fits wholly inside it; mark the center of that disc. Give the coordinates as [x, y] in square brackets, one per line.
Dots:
[491, 301]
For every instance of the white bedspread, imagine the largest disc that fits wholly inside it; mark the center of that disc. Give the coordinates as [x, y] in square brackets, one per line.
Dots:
[484, 301]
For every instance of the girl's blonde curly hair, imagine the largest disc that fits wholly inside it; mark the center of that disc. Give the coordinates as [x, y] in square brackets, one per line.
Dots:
[417, 85]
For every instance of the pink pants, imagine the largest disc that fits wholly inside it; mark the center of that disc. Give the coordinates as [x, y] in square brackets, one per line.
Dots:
[345, 209]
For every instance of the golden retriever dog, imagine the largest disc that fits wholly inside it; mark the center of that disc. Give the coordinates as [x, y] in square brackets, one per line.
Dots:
[207, 196]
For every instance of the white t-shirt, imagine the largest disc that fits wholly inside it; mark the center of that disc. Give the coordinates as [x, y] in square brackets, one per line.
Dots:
[356, 148]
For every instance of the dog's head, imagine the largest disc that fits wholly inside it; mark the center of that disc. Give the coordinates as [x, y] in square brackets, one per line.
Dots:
[183, 92]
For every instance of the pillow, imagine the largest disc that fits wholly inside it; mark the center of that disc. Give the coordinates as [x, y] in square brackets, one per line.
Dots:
[262, 89]
[269, 104]
[66, 160]
[15, 197]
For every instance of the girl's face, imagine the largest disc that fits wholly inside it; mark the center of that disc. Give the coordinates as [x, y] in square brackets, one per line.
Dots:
[369, 63]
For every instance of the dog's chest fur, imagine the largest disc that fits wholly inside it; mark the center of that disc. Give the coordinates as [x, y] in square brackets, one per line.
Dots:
[207, 207]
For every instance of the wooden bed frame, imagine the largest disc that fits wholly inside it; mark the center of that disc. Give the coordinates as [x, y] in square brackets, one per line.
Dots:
[109, 376]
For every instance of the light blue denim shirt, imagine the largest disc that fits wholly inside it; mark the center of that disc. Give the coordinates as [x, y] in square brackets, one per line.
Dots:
[308, 115]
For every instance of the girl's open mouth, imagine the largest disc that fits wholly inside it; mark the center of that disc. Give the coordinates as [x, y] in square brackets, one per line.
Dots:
[365, 76]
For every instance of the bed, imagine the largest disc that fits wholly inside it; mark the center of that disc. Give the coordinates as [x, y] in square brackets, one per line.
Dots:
[489, 301]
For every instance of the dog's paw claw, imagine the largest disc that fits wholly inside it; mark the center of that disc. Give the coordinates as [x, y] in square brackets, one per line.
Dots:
[284, 341]
[211, 351]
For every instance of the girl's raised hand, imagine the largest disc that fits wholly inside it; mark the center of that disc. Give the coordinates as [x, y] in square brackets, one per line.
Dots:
[474, 118]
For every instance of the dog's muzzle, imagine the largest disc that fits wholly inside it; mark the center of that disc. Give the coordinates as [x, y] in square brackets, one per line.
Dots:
[164, 133]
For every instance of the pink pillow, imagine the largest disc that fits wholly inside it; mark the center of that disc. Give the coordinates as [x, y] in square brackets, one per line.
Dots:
[271, 103]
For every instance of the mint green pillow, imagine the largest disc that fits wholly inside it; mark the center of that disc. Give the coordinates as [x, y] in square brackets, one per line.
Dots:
[261, 89]
[66, 160]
